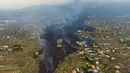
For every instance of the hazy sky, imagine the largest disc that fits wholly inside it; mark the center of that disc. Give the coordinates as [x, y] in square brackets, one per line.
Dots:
[13, 4]
[102, 1]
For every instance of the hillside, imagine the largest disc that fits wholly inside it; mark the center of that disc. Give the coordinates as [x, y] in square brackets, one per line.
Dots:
[17, 53]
